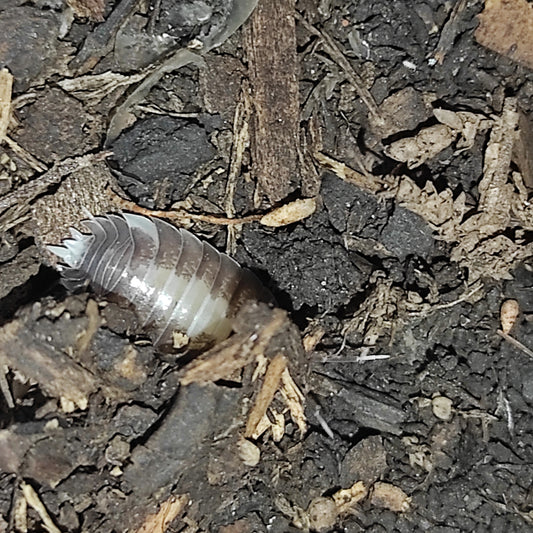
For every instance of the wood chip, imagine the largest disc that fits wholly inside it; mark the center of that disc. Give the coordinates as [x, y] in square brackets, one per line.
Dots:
[57, 374]
[232, 354]
[506, 26]
[295, 401]
[273, 71]
[169, 510]
[266, 394]
[313, 335]
[6, 84]
[221, 361]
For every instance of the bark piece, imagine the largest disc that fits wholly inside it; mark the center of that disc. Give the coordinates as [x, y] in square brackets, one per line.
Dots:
[58, 375]
[271, 49]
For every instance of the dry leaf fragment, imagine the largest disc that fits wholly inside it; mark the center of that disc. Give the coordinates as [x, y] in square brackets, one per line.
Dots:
[465, 123]
[290, 213]
[425, 145]
[346, 499]
[506, 26]
[508, 314]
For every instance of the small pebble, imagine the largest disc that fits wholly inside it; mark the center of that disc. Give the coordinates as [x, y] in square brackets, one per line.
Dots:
[322, 514]
[442, 407]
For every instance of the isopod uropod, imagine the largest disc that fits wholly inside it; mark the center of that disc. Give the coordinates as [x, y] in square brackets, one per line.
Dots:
[174, 281]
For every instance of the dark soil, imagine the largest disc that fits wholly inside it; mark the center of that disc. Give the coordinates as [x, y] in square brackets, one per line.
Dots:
[367, 276]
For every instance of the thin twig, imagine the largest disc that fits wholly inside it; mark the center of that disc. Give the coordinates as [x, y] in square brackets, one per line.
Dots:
[515, 343]
[181, 214]
[28, 158]
[333, 50]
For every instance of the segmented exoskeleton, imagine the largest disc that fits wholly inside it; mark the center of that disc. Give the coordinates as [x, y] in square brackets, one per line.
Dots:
[175, 282]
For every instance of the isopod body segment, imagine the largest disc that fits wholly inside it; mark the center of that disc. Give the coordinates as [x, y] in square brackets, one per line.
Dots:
[175, 282]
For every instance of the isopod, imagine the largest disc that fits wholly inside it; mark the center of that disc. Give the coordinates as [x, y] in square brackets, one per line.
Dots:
[175, 282]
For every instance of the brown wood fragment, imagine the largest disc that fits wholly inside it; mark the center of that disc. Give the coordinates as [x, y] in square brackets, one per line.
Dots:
[169, 510]
[506, 27]
[232, 354]
[294, 399]
[220, 362]
[28, 192]
[273, 70]
[83, 191]
[57, 374]
[270, 385]
[495, 193]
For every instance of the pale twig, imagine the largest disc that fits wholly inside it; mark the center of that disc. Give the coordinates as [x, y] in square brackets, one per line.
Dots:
[321, 420]
[29, 159]
[34, 501]
[464, 297]
[360, 359]
[181, 215]
[515, 343]
[240, 141]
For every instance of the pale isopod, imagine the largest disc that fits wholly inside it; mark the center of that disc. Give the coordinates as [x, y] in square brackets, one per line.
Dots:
[175, 282]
